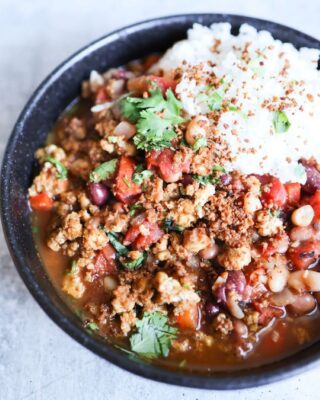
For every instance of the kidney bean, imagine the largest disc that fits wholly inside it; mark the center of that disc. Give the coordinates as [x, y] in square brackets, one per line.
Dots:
[211, 309]
[313, 178]
[98, 193]
[186, 180]
[225, 179]
[236, 281]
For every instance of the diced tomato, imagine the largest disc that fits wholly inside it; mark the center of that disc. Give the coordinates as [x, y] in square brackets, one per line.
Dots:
[126, 190]
[105, 261]
[101, 95]
[155, 233]
[274, 193]
[163, 83]
[136, 237]
[134, 230]
[305, 254]
[189, 319]
[168, 169]
[144, 83]
[41, 202]
[268, 313]
[293, 193]
[277, 244]
[315, 199]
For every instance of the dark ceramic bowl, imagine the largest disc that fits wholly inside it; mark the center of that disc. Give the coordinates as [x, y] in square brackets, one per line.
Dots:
[30, 132]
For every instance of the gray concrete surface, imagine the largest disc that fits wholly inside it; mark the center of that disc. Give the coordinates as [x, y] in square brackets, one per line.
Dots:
[37, 359]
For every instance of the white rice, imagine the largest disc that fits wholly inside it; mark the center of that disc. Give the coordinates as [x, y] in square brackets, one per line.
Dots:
[251, 84]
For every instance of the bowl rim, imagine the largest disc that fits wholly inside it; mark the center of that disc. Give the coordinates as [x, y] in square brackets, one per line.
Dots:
[245, 378]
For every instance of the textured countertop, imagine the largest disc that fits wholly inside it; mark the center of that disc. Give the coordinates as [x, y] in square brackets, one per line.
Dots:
[37, 359]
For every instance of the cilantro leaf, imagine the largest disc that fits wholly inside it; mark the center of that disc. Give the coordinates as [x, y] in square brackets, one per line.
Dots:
[74, 268]
[155, 118]
[280, 122]
[135, 263]
[154, 335]
[119, 247]
[219, 169]
[103, 171]
[134, 208]
[215, 101]
[140, 175]
[200, 142]
[205, 180]
[62, 171]
[169, 226]
[129, 109]
[154, 132]
[92, 326]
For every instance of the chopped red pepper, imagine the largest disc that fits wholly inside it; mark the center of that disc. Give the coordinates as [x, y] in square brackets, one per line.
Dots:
[105, 261]
[169, 170]
[293, 193]
[274, 193]
[126, 190]
[305, 254]
[41, 202]
[136, 236]
[189, 319]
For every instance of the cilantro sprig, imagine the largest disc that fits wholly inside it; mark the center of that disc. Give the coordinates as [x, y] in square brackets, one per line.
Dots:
[118, 246]
[200, 142]
[154, 336]
[135, 263]
[141, 174]
[205, 180]
[155, 118]
[103, 171]
[169, 226]
[62, 171]
[122, 251]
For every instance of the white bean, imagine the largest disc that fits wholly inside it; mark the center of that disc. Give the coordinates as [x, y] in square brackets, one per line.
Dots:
[197, 128]
[240, 328]
[301, 233]
[109, 283]
[234, 307]
[278, 278]
[303, 304]
[283, 298]
[302, 216]
[303, 281]
[209, 252]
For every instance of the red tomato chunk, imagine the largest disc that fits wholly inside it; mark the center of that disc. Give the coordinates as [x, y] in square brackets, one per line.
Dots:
[126, 190]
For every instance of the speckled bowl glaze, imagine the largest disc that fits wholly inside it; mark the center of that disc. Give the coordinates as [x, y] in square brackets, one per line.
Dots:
[30, 131]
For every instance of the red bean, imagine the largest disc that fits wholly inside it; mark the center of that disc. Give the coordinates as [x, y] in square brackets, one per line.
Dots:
[225, 179]
[313, 178]
[98, 193]
[211, 309]
[236, 281]
[186, 180]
